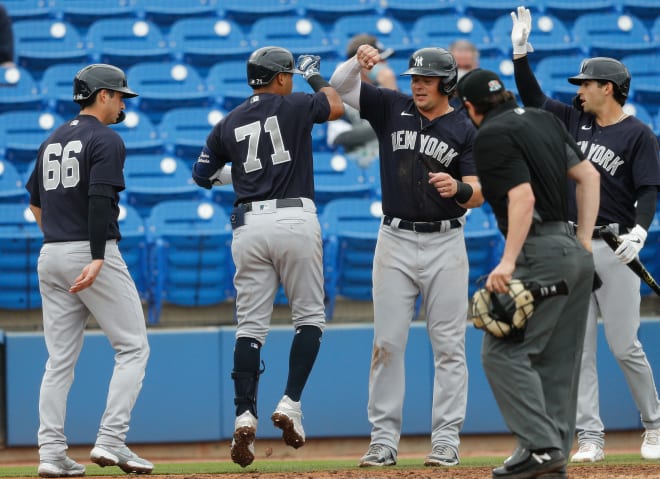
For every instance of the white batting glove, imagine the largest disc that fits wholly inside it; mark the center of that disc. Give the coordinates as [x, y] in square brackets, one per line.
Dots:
[522, 27]
[631, 244]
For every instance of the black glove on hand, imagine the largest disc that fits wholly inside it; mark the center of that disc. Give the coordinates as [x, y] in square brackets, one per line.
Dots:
[309, 65]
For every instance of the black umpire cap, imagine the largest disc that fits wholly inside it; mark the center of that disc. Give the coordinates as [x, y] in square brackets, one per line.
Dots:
[479, 84]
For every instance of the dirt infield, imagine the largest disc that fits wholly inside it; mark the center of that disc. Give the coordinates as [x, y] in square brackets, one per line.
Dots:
[416, 448]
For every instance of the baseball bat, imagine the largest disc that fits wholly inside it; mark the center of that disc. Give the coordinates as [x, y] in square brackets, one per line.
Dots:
[635, 265]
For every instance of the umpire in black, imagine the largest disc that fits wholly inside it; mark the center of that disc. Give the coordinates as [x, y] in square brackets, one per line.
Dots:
[524, 157]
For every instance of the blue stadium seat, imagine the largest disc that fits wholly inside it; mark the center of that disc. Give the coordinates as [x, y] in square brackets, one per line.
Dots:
[20, 244]
[163, 86]
[40, 43]
[205, 41]
[612, 35]
[190, 256]
[350, 230]
[152, 179]
[126, 41]
[442, 30]
[645, 10]
[410, 10]
[640, 112]
[27, 9]
[328, 12]
[227, 83]
[552, 74]
[299, 35]
[12, 188]
[82, 13]
[645, 85]
[21, 134]
[133, 247]
[245, 13]
[139, 134]
[165, 13]
[57, 88]
[488, 10]
[388, 30]
[569, 10]
[337, 177]
[549, 36]
[484, 244]
[18, 90]
[184, 130]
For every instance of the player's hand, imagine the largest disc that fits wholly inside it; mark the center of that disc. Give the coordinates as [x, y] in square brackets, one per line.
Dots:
[87, 277]
[309, 65]
[522, 27]
[631, 244]
[368, 56]
[444, 183]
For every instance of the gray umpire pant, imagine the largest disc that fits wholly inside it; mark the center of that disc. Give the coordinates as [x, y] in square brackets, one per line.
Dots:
[535, 381]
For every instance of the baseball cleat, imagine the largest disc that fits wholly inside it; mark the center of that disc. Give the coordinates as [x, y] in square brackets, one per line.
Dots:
[122, 457]
[651, 444]
[526, 464]
[442, 455]
[288, 417]
[66, 467]
[242, 444]
[378, 455]
[588, 452]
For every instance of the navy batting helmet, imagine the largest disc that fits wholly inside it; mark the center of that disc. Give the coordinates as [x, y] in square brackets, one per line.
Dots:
[434, 62]
[604, 69]
[96, 77]
[266, 62]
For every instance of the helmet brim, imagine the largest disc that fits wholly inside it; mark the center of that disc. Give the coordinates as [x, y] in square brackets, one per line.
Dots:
[579, 79]
[425, 72]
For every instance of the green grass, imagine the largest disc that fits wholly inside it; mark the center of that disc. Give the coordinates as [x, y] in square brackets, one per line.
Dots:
[225, 467]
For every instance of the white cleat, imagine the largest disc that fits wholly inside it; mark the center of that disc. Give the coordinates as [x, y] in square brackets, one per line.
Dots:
[288, 417]
[588, 452]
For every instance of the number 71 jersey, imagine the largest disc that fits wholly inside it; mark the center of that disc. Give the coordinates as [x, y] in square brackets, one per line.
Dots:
[268, 141]
[78, 154]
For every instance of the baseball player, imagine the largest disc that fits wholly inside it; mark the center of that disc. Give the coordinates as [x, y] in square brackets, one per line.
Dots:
[524, 157]
[276, 232]
[625, 152]
[420, 248]
[74, 191]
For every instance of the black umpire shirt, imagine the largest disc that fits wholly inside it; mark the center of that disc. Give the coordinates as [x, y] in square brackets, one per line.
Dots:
[516, 145]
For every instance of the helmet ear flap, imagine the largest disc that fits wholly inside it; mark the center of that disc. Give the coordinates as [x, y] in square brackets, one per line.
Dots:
[447, 85]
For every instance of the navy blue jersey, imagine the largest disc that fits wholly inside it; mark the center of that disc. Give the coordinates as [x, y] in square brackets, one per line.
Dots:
[625, 154]
[268, 141]
[404, 134]
[78, 154]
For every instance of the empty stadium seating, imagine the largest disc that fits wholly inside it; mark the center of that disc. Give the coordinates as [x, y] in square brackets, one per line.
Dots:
[18, 90]
[190, 256]
[21, 134]
[184, 130]
[205, 41]
[20, 243]
[12, 189]
[126, 41]
[151, 179]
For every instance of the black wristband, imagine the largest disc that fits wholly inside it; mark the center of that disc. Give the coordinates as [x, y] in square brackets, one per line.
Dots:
[317, 82]
[463, 192]
[100, 211]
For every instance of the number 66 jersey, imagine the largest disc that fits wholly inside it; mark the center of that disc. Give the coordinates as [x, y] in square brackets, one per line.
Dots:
[79, 154]
[269, 143]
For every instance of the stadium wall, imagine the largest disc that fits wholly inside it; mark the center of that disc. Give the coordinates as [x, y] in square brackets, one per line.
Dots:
[187, 393]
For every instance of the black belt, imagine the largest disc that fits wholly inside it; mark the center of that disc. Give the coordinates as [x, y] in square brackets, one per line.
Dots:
[281, 203]
[615, 227]
[552, 228]
[423, 226]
